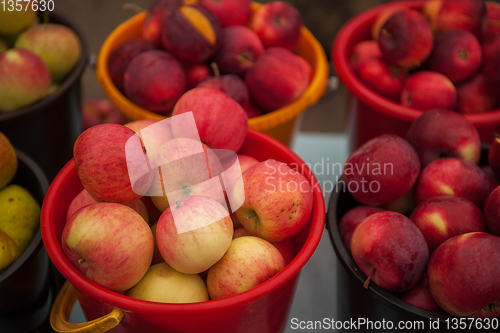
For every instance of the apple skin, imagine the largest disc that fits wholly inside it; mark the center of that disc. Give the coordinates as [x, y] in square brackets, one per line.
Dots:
[426, 90]
[406, 38]
[431, 10]
[277, 78]
[363, 51]
[453, 177]
[493, 22]
[191, 33]
[231, 174]
[390, 250]
[57, 45]
[202, 245]
[195, 73]
[24, 79]
[254, 111]
[420, 296]
[230, 84]
[494, 157]
[101, 163]
[154, 80]
[382, 17]
[8, 163]
[13, 22]
[442, 218]
[83, 199]
[153, 24]
[396, 165]
[463, 275]
[441, 133]
[229, 12]
[277, 200]
[109, 243]
[286, 247]
[221, 122]
[491, 63]
[277, 24]
[488, 171]
[164, 284]
[469, 15]
[473, 96]
[122, 55]
[456, 54]
[350, 221]
[185, 172]
[100, 111]
[492, 212]
[239, 49]
[383, 77]
[248, 262]
[3, 46]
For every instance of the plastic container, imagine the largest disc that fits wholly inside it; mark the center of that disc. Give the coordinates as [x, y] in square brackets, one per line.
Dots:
[262, 309]
[372, 303]
[47, 130]
[26, 288]
[280, 124]
[370, 114]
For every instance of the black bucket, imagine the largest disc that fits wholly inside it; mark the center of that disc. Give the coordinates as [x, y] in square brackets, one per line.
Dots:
[27, 287]
[374, 307]
[47, 129]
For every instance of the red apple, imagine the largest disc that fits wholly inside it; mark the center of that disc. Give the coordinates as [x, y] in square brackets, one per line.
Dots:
[442, 133]
[426, 90]
[350, 221]
[221, 122]
[420, 296]
[362, 52]
[488, 171]
[494, 156]
[277, 200]
[195, 73]
[121, 56]
[277, 24]
[467, 15]
[382, 170]
[493, 19]
[431, 11]
[390, 250]
[406, 39]
[24, 79]
[152, 26]
[248, 262]
[232, 85]
[456, 54]
[8, 166]
[463, 275]
[383, 77]
[382, 17]
[240, 47]
[229, 12]
[109, 243]
[253, 110]
[191, 33]
[110, 167]
[492, 212]
[453, 177]
[155, 80]
[278, 78]
[231, 170]
[100, 111]
[194, 234]
[473, 96]
[491, 64]
[442, 218]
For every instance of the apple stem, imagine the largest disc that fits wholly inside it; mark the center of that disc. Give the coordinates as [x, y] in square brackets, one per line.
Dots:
[81, 261]
[215, 68]
[250, 216]
[132, 7]
[244, 60]
[367, 282]
[386, 33]
[46, 19]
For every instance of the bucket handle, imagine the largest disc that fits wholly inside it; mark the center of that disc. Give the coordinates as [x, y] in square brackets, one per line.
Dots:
[61, 310]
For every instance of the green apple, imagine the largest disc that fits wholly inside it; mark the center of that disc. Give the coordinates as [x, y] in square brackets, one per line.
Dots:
[8, 162]
[56, 44]
[14, 21]
[24, 79]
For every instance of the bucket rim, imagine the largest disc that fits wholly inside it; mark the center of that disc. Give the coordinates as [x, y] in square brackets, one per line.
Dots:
[73, 77]
[341, 48]
[126, 303]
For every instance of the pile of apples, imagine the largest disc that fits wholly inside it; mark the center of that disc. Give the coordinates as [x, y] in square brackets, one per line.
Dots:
[428, 227]
[213, 44]
[41, 57]
[446, 56]
[167, 217]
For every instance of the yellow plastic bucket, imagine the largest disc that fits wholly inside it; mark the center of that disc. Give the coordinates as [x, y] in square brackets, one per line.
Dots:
[280, 124]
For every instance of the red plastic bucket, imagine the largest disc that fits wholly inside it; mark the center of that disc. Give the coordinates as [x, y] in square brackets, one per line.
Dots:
[262, 309]
[370, 114]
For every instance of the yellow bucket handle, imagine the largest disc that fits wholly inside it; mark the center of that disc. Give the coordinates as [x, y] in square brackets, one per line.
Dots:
[61, 310]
